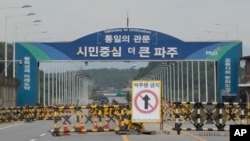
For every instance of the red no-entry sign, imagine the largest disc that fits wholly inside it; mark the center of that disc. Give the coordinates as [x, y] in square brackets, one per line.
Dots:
[146, 96]
[146, 101]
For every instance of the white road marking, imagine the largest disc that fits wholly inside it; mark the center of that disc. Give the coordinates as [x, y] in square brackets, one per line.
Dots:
[11, 125]
[32, 139]
[42, 134]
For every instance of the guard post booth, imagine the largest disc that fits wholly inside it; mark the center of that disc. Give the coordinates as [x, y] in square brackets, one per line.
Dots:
[244, 83]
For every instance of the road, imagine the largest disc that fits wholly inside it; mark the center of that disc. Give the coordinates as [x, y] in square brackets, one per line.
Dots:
[39, 131]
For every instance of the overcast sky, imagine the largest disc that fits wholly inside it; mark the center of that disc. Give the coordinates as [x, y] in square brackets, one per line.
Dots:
[188, 20]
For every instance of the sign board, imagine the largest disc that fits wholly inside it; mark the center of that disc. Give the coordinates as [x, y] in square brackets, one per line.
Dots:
[146, 101]
[125, 44]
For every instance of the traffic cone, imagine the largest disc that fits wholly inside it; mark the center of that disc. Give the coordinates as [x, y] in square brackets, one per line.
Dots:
[120, 123]
[106, 124]
[95, 124]
[82, 125]
[65, 129]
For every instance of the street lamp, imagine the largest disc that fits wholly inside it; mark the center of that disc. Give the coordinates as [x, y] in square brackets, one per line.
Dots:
[41, 32]
[172, 81]
[234, 26]
[5, 47]
[14, 42]
[24, 6]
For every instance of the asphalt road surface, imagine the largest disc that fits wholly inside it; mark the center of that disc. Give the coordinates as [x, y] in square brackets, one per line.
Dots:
[39, 131]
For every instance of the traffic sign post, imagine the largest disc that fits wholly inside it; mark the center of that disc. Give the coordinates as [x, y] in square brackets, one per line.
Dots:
[146, 101]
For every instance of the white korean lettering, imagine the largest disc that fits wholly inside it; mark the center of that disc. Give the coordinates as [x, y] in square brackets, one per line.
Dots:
[228, 89]
[26, 62]
[160, 52]
[145, 39]
[172, 51]
[227, 60]
[116, 52]
[144, 52]
[26, 78]
[228, 81]
[227, 64]
[125, 38]
[228, 72]
[137, 38]
[27, 68]
[93, 51]
[227, 77]
[131, 50]
[108, 38]
[117, 38]
[26, 86]
[26, 81]
[26, 73]
[104, 51]
[26, 58]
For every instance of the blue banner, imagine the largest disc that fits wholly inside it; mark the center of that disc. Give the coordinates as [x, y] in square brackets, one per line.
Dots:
[125, 44]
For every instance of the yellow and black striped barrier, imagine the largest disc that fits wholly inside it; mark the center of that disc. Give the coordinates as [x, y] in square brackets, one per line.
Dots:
[26, 113]
[94, 118]
[203, 116]
[208, 116]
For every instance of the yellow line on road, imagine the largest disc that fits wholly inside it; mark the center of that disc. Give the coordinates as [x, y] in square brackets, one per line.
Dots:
[193, 136]
[125, 138]
[188, 134]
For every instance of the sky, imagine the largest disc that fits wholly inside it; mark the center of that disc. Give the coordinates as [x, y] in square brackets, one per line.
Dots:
[68, 20]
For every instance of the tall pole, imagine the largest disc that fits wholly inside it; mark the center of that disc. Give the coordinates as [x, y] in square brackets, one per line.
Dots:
[5, 46]
[5, 38]
[127, 20]
[14, 53]
[14, 44]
